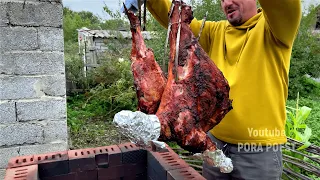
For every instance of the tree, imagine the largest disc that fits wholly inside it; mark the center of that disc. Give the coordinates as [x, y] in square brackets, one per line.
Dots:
[75, 20]
[305, 59]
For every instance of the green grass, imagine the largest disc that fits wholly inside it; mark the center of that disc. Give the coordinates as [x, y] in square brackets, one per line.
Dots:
[86, 128]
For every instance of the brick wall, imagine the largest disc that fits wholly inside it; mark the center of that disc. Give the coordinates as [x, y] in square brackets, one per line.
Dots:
[32, 78]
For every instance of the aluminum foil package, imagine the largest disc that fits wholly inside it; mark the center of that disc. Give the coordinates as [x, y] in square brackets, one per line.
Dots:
[139, 127]
[217, 159]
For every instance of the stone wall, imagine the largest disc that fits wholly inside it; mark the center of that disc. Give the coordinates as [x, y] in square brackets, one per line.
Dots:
[32, 78]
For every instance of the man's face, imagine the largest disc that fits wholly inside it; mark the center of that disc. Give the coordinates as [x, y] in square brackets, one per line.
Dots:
[238, 11]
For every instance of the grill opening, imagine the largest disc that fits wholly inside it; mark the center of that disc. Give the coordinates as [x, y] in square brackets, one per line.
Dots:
[24, 160]
[111, 149]
[20, 177]
[18, 170]
[20, 173]
[175, 164]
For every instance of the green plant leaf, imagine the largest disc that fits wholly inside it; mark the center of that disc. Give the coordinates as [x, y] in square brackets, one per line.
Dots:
[307, 133]
[304, 146]
[303, 114]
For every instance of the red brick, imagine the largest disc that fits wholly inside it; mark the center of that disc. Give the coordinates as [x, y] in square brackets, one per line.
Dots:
[183, 174]
[161, 162]
[25, 172]
[108, 156]
[69, 176]
[114, 172]
[81, 160]
[132, 154]
[53, 164]
[87, 175]
[52, 157]
[21, 161]
[125, 147]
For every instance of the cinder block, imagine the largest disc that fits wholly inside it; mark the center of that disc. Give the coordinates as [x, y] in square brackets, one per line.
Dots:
[51, 39]
[43, 148]
[27, 150]
[6, 154]
[25, 38]
[54, 85]
[20, 87]
[81, 160]
[7, 112]
[2, 173]
[46, 108]
[35, 14]
[52, 164]
[132, 154]
[184, 173]
[32, 63]
[21, 133]
[4, 20]
[26, 172]
[55, 130]
[108, 156]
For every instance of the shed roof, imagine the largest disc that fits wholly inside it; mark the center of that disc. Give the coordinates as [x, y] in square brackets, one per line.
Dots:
[113, 34]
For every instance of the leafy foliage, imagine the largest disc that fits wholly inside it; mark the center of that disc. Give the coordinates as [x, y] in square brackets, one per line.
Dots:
[295, 124]
[212, 7]
[74, 20]
[305, 59]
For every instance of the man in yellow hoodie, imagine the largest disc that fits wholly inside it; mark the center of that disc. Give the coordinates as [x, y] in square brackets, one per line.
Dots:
[252, 48]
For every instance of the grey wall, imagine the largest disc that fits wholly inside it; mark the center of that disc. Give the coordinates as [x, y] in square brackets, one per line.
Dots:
[32, 78]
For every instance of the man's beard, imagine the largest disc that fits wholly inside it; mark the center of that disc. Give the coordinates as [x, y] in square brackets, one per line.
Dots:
[236, 22]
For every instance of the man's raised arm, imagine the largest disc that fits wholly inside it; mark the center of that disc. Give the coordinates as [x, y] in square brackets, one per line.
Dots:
[283, 17]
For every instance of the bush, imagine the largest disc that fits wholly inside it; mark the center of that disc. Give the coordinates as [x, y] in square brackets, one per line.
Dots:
[305, 59]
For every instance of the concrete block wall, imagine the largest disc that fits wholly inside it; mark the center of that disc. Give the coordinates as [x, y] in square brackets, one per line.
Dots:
[32, 79]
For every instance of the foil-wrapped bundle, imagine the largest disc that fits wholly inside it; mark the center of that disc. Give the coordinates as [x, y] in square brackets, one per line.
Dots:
[142, 129]
[216, 159]
[139, 127]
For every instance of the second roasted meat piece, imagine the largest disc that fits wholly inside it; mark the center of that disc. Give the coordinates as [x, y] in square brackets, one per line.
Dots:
[198, 99]
[149, 79]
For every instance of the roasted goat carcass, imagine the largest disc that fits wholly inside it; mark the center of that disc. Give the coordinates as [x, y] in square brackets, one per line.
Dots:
[149, 79]
[196, 95]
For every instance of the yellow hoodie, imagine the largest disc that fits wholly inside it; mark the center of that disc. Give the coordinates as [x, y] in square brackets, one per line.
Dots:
[255, 59]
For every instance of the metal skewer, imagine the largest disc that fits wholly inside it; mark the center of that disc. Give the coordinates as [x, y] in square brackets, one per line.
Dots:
[167, 41]
[202, 25]
[177, 46]
[145, 15]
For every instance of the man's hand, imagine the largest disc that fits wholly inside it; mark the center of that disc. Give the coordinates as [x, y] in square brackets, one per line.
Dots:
[132, 5]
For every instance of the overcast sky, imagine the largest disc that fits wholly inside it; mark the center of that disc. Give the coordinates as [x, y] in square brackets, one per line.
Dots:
[96, 6]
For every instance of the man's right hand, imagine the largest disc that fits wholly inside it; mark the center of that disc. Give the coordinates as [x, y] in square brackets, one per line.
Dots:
[132, 5]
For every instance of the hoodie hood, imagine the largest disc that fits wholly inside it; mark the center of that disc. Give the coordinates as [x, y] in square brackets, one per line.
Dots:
[246, 27]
